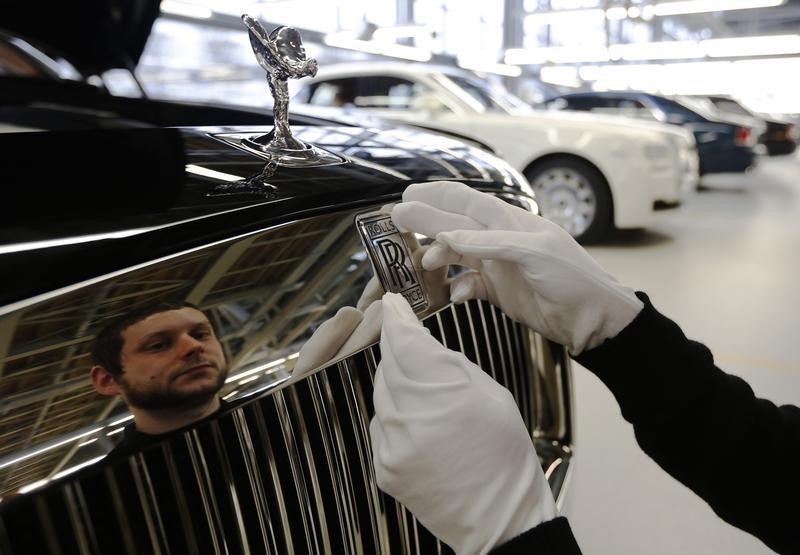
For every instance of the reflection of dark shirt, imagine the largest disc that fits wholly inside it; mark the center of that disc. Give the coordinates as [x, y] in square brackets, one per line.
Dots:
[134, 441]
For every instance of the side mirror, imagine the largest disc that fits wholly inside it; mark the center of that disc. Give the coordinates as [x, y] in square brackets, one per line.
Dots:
[675, 119]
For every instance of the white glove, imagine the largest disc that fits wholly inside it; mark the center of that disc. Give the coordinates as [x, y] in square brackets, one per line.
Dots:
[529, 267]
[449, 443]
[347, 332]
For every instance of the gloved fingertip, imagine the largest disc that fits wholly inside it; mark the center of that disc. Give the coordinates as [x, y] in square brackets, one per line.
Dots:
[434, 257]
[412, 190]
[396, 306]
[401, 216]
[372, 292]
[348, 316]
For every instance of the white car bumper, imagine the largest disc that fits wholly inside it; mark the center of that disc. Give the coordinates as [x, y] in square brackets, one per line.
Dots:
[642, 186]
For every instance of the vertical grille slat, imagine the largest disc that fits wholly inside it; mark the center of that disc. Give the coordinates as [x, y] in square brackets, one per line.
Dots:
[295, 477]
[289, 472]
[342, 530]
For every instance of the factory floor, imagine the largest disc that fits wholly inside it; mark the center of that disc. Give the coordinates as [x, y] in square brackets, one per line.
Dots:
[726, 267]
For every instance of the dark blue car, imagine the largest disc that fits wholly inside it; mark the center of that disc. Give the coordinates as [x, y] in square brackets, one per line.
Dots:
[722, 145]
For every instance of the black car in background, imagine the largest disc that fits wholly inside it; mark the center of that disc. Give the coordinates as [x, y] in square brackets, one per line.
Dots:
[780, 136]
[723, 145]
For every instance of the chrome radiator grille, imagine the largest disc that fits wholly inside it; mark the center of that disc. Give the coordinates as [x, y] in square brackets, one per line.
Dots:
[288, 472]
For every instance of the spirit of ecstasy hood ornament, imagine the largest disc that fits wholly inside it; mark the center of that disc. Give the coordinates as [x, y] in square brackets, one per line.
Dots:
[281, 54]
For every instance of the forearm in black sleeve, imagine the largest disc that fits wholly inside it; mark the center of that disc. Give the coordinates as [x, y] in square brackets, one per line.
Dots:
[705, 427]
[553, 537]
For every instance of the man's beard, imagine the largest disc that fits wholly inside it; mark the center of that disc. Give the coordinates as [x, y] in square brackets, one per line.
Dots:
[168, 399]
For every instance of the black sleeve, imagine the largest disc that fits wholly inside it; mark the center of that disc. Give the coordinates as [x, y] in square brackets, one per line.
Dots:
[553, 537]
[706, 428]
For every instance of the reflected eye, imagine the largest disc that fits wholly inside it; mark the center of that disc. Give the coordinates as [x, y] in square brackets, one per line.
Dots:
[201, 334]
[155, 346]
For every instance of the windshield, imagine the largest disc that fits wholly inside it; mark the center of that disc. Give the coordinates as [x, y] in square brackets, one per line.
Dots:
[702, 106]
[730, 106]
[490, 98]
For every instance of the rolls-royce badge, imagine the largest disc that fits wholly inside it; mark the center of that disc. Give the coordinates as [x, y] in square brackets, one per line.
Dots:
[391, 258]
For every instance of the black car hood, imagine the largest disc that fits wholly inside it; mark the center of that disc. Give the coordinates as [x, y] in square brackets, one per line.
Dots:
[94, 35]
[85, 203]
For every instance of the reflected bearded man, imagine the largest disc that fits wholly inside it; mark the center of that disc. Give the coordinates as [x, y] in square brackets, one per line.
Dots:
[166, 363]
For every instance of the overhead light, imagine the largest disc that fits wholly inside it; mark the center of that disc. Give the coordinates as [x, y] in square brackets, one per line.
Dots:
[564, 76]
[186, 9]
[766, 81]
[484, 66]
[680, 7]
[775, 45]
[557, 54]
[668, 50]
[566, 16]
[522, 56]
[707, 6]
[615, 14]
[590, 73]
[752, 46]
[647, 12]
[399, 32]
[616, 77]
[390, 49]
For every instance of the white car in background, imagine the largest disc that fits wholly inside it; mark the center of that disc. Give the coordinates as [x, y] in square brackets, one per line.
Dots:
[590, 173]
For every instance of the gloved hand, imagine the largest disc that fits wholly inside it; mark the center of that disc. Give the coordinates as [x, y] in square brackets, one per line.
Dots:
[449, 443]
[353, 329]
[529, 267]
[347, 332]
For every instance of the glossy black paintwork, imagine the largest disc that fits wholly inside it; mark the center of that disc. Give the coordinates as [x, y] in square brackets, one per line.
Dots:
[379, 165]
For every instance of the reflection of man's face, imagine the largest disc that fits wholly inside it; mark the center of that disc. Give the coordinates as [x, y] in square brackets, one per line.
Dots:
[171, 359]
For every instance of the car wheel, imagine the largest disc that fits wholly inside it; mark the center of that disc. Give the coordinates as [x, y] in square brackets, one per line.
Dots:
[574, 195]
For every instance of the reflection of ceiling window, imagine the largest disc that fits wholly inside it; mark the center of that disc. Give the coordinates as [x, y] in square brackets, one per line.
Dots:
[317, 15]
[573, 31]
[183, 60]
[458, 27]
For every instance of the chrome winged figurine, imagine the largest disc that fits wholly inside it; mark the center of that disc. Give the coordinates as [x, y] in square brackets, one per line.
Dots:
[281, 54]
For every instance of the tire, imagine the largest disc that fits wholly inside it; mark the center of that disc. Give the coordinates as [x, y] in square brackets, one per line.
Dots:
[573, 194]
